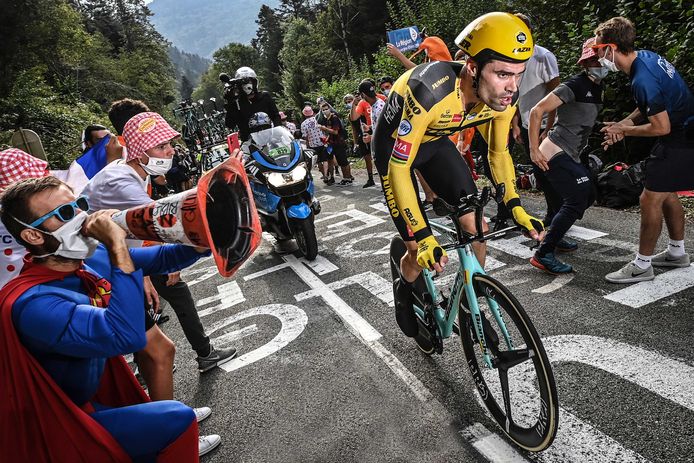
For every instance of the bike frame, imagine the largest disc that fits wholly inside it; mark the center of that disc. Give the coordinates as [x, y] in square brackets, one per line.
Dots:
[445, 317]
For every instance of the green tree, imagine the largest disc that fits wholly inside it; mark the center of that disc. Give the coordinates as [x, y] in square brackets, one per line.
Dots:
[268, 43]
[306, 58]
[186, 88]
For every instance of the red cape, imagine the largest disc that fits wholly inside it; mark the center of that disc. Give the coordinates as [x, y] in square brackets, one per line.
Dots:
[39, 422]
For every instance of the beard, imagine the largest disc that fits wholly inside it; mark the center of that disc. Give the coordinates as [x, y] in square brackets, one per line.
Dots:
[49, 246]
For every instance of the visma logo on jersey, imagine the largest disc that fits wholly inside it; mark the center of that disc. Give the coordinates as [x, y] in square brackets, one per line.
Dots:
[404, 128]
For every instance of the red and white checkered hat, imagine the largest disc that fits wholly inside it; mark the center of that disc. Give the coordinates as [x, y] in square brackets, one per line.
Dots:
[144, 131]
[16, 165]
[586, 51]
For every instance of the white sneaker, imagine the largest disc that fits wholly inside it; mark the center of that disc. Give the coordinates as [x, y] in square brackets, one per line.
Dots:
[664, 259]
[202, 413]
[208, 443]
[630, 273]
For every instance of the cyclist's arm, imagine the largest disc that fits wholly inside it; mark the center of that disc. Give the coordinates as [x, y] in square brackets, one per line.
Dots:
[495, 133]
[411, 131]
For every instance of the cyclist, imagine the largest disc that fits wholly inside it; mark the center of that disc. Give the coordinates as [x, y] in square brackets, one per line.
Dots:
[430, 102]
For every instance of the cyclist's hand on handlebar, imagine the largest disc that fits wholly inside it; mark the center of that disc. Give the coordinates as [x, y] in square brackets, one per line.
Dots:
[431, 255]
[531, 226]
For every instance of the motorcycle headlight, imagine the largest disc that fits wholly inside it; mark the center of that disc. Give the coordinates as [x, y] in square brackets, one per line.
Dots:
[278, 179]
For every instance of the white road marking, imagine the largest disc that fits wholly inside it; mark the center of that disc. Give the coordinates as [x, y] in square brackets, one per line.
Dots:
[266, 271]
[325, 198]
[233, 336]
[293, 321]
[584, 233]
[558, 282]
[513, 246]
[490, 445]
[380, 207]
[205, 274]
[665, 284]
[345, 192]
[354, 322]
[320, 265]
[339, 229]
[372, 282]
[347, 249]
[229, 294]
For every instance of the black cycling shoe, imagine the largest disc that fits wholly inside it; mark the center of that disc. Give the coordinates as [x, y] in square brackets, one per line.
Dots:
[404, 311]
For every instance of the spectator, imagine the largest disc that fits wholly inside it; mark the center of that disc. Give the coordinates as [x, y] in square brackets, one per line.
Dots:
[123, 185]
[336, 141]
[242, 105]
[433, 47]
[311, 132]
[577, 103]
[385, 84]
[289, 125]
[366, 111]
[60, 357]
[15, 165]
[664, 103]
[540, 78]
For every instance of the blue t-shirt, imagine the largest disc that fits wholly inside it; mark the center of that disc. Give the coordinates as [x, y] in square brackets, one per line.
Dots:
[657, 86]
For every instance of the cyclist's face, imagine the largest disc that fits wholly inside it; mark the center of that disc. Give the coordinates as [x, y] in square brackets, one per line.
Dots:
[498, 82]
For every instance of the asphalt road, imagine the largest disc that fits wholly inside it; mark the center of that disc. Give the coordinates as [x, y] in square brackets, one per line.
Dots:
[324, 374]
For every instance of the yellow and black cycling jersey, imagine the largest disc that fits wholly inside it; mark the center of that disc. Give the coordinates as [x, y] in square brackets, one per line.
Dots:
[425, 104]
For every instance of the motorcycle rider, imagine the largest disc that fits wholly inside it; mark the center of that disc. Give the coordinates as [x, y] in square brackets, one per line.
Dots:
[243, 100]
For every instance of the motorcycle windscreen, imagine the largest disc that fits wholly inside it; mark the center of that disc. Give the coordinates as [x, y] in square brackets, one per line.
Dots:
[276, 145]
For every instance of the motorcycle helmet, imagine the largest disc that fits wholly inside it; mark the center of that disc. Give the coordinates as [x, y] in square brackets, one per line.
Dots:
[250, 79]
[259, 121]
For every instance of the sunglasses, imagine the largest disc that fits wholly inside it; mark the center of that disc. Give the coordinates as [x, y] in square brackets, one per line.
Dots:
[602, 45]
[65, 212]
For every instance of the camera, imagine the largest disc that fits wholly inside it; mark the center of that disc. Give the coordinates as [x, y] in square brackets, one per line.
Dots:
[232, 87]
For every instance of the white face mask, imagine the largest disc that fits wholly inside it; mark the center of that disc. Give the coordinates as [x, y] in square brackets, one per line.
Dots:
[607, 64]
[386, 91]
[73, 244]
[326, 114]
[597, 73]
[247, 88]
[157, 166]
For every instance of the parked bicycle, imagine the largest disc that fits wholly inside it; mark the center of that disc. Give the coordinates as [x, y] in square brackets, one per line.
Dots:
[503, 349]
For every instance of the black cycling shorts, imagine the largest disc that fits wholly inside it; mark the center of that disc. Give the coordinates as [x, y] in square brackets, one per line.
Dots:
[442, 167]
[322, 154]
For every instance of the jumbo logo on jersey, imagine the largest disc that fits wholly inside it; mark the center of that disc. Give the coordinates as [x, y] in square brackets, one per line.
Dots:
[404, 128]
[401, 151]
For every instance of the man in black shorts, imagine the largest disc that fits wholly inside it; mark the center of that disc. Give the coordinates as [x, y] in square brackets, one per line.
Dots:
[664, 105]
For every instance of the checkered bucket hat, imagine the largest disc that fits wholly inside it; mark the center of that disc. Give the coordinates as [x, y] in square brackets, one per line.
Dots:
[144, 131]
[16, 165]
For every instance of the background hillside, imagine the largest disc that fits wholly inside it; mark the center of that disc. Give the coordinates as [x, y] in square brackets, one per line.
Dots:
[203, 26]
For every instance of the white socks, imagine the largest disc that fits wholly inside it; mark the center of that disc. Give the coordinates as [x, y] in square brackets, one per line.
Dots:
[676, 248]
[642, 262]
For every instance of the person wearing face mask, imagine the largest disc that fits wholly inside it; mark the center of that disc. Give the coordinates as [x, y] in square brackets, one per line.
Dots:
[66, 321]
[250, 100]
[125, 184]
[577, 103]
[664, 105]
[385, 84]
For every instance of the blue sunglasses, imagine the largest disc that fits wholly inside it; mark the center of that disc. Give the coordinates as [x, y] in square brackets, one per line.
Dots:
[65, 212]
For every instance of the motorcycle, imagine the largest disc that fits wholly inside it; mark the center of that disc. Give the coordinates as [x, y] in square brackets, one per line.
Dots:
[279, 170]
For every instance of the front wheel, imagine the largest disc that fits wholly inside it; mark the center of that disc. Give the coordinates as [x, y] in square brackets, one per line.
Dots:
[305, 234]
[519, 390]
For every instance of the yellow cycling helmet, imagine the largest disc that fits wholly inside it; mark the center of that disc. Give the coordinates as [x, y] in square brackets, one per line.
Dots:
[501, 36]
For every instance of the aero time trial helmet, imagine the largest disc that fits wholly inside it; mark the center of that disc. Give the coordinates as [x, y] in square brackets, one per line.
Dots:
[501, 36]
